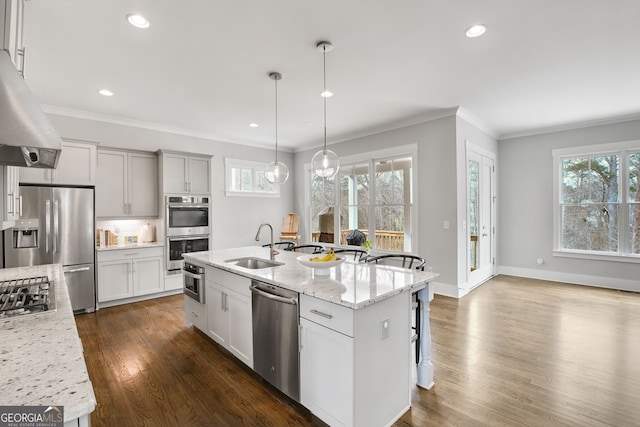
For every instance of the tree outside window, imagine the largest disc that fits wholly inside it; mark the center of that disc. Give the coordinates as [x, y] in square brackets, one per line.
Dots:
[378, 189]
[599, 200]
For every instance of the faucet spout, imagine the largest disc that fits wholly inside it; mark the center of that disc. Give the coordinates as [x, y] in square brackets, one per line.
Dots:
[272, 252]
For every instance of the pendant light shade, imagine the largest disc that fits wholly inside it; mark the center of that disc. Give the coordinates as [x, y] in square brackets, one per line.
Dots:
[277, 172]
[325, 163]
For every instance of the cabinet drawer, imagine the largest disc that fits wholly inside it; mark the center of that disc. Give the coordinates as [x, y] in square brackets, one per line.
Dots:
[328, 314]
[132, 253]
[230, 281]
[195, 314]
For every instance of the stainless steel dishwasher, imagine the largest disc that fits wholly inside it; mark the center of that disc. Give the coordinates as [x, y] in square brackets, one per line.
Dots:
[275, 337]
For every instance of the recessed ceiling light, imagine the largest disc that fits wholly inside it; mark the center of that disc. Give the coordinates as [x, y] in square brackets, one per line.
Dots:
[105, 92]
[253, 125]
[475, 30]
[326, 94]
[138, 20]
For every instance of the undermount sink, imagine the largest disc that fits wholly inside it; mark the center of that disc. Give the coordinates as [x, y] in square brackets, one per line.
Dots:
[253, 263]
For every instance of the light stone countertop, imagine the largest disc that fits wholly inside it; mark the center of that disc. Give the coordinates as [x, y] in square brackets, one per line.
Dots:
[129, 246]
[41, 355]
[351, 284]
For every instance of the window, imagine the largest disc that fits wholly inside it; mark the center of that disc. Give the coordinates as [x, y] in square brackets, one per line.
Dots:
[246, 178]
[598, 202]
[374, 194]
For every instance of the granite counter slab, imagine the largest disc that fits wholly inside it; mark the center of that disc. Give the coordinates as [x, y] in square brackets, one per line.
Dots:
[129, 246]
[41, 355]
[351, 284]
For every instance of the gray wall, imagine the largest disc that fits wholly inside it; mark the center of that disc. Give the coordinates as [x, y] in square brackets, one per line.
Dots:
[436, 186]
[525, 228]
[235, 219]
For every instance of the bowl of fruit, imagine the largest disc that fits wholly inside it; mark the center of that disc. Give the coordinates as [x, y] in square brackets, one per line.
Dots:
[327, 260]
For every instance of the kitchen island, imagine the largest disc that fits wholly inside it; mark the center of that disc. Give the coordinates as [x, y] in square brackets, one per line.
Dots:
[355, 329]
[42, 356]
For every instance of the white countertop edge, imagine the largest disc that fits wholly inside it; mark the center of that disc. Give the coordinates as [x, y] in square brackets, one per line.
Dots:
[129, 246]
[215, 259]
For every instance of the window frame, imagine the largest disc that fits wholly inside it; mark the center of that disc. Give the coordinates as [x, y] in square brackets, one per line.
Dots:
[371, 157]
[622, 150]
[255, 167]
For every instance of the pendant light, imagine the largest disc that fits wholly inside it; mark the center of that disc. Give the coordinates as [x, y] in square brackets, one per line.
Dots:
[325, 162]
[277, 172]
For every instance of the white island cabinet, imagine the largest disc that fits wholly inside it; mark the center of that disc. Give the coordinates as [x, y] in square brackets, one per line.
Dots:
[355, 330]
[228, 301]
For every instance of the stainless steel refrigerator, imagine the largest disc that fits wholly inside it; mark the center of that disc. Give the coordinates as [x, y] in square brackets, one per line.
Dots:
[56, 226]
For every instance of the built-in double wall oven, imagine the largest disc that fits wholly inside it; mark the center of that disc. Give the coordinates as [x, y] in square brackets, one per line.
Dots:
[187, 228]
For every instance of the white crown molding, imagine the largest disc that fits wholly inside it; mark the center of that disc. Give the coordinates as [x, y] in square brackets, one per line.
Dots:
[79, 114]
[571, 126]
[464, 114]
[416, 120]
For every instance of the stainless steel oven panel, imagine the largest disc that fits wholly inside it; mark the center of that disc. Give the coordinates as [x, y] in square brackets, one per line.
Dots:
[193, 286]
[186, 244]
[184, 226]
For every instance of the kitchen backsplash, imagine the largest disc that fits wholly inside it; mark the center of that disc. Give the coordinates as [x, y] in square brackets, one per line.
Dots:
[127, 231]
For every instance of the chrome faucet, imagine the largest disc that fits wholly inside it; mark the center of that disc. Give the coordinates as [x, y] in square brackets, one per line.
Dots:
[272, 252]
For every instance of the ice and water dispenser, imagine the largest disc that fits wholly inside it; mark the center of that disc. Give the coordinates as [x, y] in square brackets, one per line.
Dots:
[25, 233]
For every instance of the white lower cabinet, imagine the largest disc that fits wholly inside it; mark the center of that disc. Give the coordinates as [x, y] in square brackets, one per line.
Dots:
[229, 317]
[126, 273]
[326, 375]
[352, 373]
[195, 313]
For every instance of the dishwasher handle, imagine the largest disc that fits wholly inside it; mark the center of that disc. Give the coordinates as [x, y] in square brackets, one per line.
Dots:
[255, 289]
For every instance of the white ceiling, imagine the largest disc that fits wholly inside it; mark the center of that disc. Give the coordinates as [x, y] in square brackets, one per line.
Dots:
[202, 66]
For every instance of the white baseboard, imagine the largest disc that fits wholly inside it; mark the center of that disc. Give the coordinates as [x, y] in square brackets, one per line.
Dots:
[578, 279]
[445, 289]
[107, 304]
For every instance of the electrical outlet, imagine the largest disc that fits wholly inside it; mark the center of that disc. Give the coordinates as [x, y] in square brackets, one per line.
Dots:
[445, 224]
[384, 329]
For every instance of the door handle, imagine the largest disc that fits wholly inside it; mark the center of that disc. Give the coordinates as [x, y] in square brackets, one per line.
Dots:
[47, 224]
[20, 205]
[78, 270]
[56, 208]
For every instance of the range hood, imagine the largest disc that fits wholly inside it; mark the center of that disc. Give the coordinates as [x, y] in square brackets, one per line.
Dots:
[26, 135]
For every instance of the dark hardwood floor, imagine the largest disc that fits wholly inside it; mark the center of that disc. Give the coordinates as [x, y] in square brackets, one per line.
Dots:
[514, 352]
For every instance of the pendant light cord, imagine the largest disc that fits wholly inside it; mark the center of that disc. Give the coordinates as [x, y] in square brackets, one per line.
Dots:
[324, 94]
[276, 80]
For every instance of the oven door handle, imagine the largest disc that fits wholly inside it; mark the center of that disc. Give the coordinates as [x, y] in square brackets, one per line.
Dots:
[192, 275]
[180, 239]
[186, 206]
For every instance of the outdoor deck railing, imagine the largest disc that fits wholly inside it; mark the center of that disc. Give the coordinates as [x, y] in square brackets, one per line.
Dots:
[385, 240]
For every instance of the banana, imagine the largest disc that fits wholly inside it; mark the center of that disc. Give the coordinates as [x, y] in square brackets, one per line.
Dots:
[331, 256]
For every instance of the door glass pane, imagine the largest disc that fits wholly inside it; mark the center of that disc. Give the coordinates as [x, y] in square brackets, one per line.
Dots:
[634, 207]
[354, 200]
[322, 198]
[393, 204]
[474, 203]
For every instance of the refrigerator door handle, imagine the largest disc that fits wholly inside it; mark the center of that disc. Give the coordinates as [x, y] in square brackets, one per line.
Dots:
[47, 223]
[55, 226]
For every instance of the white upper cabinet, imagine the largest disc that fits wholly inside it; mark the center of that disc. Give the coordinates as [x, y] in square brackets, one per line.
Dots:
[77, 166]
[10, 201]
[185, 173]
[127, 184]
[11, 18]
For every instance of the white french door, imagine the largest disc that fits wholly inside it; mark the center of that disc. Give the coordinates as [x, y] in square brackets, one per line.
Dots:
[481, 217]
